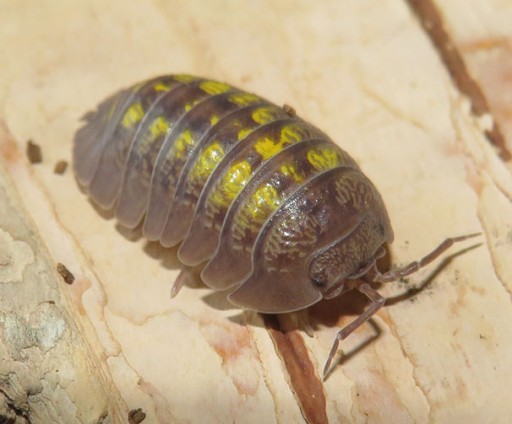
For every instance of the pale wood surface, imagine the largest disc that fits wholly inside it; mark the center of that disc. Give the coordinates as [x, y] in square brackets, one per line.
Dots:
[368, 74]
[482, 33]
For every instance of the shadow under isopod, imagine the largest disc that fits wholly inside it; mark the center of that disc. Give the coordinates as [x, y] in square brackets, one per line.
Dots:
[330, 313]
[413, 291]
[167, 256]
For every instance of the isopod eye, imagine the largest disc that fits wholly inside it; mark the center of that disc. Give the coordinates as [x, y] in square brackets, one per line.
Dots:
[319, 282]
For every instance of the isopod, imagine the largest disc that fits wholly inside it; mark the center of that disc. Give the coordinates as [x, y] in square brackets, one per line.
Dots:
[280, 216]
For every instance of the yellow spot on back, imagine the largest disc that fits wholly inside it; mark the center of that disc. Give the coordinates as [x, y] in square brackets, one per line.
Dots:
[291, 172]
[244, 133]
[184, 140]
[323, 159]
[214, 87]
[191, 104]
[262, 202]
[244, 99]
[214, 119]
[232, 183]
[206, 162]
[160, 86]
[132, 115]
[290, 134]
[159, 127]
[185, 78]
[263, 115]
[268, 147]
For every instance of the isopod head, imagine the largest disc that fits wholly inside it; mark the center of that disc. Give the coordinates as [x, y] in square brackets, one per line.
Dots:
[329, 232]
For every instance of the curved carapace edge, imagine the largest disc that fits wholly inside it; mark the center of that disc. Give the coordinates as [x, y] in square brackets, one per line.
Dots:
[279, 214]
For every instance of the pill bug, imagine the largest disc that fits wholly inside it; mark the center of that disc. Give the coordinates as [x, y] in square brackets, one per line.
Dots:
[280, 216]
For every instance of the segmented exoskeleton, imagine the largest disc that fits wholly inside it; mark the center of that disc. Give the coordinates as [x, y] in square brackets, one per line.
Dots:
[279, 214]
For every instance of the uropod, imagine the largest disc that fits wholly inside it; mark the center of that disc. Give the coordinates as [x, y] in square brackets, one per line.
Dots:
[279, 216]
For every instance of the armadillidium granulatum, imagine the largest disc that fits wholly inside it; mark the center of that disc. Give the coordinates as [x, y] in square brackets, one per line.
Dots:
[278, 213]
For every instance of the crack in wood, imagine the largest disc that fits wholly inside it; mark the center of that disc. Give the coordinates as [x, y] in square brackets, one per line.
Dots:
[432, 22]
[303, 380]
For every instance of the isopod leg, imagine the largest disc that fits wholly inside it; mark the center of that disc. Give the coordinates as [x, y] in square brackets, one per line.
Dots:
[411, 268]
[377, 303]
[178, 284]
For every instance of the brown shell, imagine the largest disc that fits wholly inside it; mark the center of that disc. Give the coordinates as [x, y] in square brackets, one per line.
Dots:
[274, 209]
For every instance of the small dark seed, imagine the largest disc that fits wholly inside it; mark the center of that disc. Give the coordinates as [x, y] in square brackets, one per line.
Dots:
[65, 273]
[136, 416]
[60, 167]
[34, 153]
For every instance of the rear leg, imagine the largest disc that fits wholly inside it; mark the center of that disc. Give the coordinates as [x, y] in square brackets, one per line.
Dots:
[377, 302]
[178, 284]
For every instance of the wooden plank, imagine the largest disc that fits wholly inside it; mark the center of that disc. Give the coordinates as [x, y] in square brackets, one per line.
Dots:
[369, 76]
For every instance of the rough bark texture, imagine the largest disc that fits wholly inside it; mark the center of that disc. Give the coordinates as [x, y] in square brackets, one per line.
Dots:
[417, 91]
